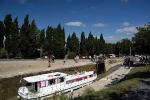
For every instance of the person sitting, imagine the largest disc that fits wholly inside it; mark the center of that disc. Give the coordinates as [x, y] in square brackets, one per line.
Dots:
[76, 71]
[94, 71]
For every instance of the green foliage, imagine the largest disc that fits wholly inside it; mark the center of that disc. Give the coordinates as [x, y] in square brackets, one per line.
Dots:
[90, 44]
[2, 30]
[71, 55]
[59, 42]
[58, 96]
[49, 43]
[102, 44]
[74, 43]
[24, 36]
[32, 46]
[52, 42]
[15, 39]
[88, 91]
[83, 50]
[142, 39]
[3, 53]
[8, 27]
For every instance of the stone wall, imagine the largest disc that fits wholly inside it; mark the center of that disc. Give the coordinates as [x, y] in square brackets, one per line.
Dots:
[109, 65]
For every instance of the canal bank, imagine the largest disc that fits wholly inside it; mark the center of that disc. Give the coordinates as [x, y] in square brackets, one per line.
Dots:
[9, 86]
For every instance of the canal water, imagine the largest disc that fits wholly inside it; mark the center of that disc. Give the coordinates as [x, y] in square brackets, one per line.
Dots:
[101, 75]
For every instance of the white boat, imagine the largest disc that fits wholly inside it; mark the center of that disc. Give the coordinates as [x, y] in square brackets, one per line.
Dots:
[45, 85]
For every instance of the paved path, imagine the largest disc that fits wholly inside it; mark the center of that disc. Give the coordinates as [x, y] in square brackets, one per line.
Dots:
[105, 82]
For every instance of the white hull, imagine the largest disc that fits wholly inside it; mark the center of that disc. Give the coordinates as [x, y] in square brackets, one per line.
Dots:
[62, 83]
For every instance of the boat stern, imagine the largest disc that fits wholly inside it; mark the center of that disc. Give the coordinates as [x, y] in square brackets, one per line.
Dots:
[24, 93]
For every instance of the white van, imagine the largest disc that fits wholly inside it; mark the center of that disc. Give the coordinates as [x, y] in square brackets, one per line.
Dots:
[111, 55]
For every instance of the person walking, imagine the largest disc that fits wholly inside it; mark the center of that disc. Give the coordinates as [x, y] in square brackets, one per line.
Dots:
[65, 59]
[53, 58]
[49, 61]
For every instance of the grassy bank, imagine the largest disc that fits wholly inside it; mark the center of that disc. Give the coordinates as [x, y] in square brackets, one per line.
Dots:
[115, 92]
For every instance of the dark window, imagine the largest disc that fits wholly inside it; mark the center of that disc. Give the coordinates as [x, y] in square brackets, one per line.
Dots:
[52, 81]
[28, 84]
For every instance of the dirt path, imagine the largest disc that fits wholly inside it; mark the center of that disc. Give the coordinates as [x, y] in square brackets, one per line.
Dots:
[13, 68]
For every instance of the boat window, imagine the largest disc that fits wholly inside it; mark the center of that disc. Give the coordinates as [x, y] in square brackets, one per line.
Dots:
[91, 75]
[69, 81]
[52, 81]
[28, 84]
[79, 79]
[60, 79]
[57, 75]
[85, 77]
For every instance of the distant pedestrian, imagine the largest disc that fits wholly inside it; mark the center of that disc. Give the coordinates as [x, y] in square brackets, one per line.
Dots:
[129, 63]
[53, 58]
[146, 60]
[64, 61]
[49, 61]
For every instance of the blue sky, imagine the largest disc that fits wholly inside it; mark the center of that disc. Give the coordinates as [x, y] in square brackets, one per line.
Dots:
[115, 19]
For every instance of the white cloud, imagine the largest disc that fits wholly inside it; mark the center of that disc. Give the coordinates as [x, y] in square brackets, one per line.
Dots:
[126, 24]
[22, 1]
[75, 24]
[99, 25]
[127, 30]
[124, 0]
[111, 39]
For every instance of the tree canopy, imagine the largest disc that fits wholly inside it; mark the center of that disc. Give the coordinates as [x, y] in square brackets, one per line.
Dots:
[27, 41]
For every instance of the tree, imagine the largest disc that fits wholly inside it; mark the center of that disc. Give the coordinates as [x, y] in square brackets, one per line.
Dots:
[68, 45]
[24, 36]
[141, 39]
[83, 50]
[74, 44]
[8, 25]
[102, 44]
[97, 48]
[15, 39]
[32, 46]
[59, 42]
[118, 50]
[90, 46]
[40, 41]
[125, 46]
[49, 45]
[2, 30]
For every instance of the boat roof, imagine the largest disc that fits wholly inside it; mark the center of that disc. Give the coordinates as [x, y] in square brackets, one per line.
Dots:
[43, 77]
[82, 74]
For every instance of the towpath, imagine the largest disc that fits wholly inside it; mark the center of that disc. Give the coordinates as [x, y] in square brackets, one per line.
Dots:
[10, 68]
[13, 67]
[104, 82]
